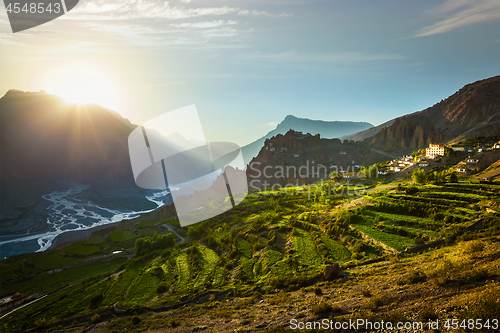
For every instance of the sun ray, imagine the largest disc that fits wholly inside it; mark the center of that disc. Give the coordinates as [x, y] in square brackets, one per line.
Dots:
[81, 85]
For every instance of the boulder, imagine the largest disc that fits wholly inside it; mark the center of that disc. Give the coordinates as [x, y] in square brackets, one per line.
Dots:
[332, 272]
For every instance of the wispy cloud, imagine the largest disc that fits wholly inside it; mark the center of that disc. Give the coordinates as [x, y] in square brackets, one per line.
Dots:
[351, 57]
[184, 34]
[8, 39]
[203, 25]
[273, 124]
[123, 9]
[458, 13]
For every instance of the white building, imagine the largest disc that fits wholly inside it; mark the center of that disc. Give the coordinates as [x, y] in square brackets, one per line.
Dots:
[435, 150]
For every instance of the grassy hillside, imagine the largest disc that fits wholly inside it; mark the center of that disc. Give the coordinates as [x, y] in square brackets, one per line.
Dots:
[261, 264]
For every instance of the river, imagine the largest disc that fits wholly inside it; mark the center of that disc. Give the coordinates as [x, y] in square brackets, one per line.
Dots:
[70, 211]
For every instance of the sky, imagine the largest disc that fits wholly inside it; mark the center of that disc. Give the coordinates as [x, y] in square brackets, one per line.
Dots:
[246, 64]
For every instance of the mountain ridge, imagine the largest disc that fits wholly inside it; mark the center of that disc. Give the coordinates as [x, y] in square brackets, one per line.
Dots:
[327, 129]
[472, 111]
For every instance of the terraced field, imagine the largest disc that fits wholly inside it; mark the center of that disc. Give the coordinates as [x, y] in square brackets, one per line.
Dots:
[338, 251]
[81, 249]
[305, 247]
[208, 260]
[263, 244]
[184, 272]
[397, 242]
[121, 236]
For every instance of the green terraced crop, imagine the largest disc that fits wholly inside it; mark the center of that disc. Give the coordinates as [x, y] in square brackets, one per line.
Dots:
[395, 241]
[50, 260]
[244, 247]
[446, 195]
[270, 258]
[184, 271]
[247, 266]
[121, 235]
[339, 252]
[208, 260]
[414, 230]
[305, 247]
[468, 211]
[219, 277]
[142, 290]
[120, 285]
[408, 218]
[95, 241]
[82, 250]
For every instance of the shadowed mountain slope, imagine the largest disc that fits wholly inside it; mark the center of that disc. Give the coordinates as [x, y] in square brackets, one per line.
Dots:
[45, 143]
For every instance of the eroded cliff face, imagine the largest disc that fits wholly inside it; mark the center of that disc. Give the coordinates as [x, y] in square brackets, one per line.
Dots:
[297, 158]
[472, 111]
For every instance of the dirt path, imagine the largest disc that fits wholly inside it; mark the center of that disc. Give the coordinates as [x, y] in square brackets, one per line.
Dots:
[169, 227]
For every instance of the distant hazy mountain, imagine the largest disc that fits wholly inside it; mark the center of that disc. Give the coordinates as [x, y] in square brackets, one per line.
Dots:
[326, 129]
[473, 111]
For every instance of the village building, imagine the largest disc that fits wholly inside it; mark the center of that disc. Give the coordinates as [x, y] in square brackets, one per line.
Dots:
[435, 150]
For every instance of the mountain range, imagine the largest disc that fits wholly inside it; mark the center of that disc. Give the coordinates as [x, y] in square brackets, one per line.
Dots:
[473, 111]
[47, 145]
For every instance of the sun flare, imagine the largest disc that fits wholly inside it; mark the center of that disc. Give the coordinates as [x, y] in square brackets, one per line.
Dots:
[83, 86]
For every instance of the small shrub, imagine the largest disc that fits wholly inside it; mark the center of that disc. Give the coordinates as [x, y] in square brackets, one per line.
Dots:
[336, 308]
[95, 319]
[419, 240]
[373, 303]
[321, 308]
[162, 288]
[366, 292]
[318, 291]
[96, 300]
[136, 320]
[172, 323]
[443, 273]
[415, 277]
[245, 321]
[428, 314]
[472, 248]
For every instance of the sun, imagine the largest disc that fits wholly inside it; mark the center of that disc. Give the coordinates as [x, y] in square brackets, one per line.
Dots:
[80, 85]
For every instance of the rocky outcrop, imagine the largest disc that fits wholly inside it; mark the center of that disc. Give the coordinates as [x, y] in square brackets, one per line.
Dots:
[327, 129]
[298, 158]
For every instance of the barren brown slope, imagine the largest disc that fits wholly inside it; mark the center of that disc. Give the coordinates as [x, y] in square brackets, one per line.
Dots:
[472, 111]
